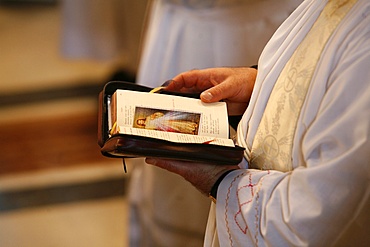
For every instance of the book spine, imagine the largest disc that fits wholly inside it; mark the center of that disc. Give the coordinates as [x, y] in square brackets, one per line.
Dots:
[113, 110]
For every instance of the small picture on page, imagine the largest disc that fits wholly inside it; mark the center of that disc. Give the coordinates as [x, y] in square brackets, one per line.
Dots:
[168, 121]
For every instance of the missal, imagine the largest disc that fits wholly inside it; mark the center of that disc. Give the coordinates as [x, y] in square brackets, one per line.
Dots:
[135, 122]
[168, 117]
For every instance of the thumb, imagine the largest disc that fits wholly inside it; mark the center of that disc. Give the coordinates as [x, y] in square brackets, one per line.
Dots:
[217, 93]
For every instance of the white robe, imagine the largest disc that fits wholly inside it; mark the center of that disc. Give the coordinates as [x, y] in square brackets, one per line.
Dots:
[324, 201]
[197, 34]
[182, 35]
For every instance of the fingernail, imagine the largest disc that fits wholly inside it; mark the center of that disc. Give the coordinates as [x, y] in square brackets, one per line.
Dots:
[166, 83]
[150, 161]
[206, 96]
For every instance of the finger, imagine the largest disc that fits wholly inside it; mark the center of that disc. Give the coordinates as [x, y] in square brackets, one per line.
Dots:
[236, 88]
[220, 91]
[198, 80]
[151, 161]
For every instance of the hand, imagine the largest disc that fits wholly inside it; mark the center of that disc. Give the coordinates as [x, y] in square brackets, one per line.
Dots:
[233, 85]
[201, 175]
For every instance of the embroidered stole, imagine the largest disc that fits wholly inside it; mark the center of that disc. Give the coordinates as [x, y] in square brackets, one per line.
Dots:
[272, 145]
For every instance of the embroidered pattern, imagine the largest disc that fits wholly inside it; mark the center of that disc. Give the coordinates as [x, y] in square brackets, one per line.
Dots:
[238, 217]
[272, 145]
[227, 206]
[248, 196]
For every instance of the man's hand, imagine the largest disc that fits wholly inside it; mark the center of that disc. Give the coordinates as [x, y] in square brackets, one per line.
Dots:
[233, 85]
[202, 176]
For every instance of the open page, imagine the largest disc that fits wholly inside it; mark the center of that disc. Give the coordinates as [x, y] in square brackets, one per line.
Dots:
[173, 118]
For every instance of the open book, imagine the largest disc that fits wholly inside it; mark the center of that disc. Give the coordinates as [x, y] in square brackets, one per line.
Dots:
[137, 123]
[172, 118]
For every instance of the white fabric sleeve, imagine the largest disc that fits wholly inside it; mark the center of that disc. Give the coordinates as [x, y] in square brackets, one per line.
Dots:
[318, 202]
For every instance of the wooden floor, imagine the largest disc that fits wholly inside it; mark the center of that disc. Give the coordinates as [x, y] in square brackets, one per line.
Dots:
[56, 189]
[54, 181]
[49, 143]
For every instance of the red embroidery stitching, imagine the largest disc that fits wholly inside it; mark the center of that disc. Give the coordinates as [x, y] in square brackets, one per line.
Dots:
[244, 227]
[254, 192]
[226, 206]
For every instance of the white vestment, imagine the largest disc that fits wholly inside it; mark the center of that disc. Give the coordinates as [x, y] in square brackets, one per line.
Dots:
[324, 201]
[183, 35]
[196, 34]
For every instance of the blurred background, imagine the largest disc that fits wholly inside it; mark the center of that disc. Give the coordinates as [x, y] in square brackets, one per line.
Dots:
[55, 56]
